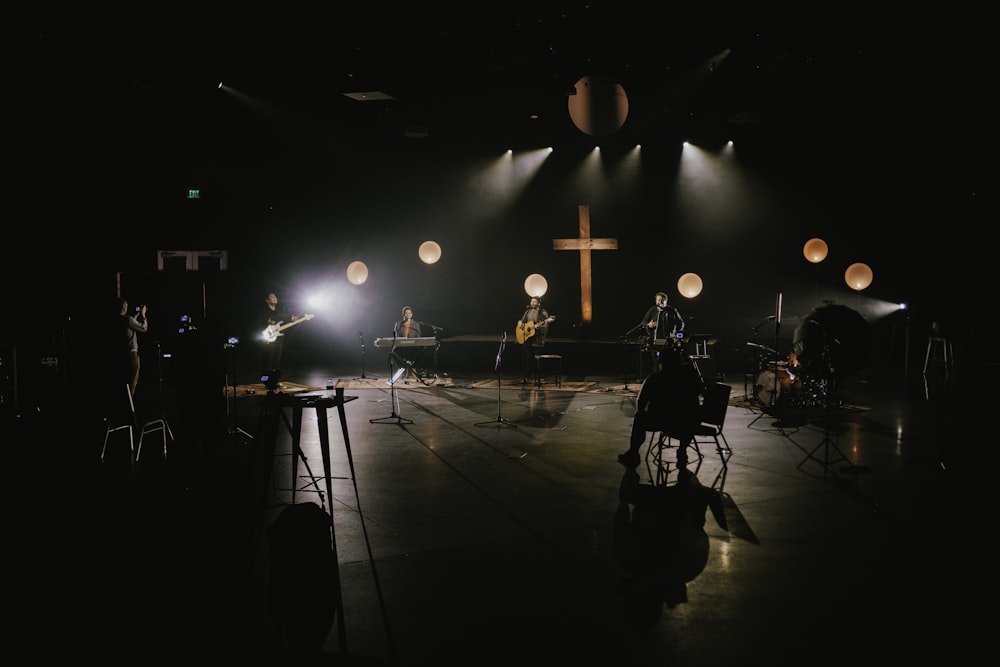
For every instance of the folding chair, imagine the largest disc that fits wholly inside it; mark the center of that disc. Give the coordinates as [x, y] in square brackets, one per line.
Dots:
[713, 420]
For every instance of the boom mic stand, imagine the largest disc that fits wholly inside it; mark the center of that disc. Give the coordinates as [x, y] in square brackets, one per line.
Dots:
[394, 375]
[361, 335]
[499, 421]
[624, 338]
[437, 346]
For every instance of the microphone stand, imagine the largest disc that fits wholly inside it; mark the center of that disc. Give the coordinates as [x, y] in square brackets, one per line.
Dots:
[499, 421]
[361, 335]
[437, 345]
[624, 338]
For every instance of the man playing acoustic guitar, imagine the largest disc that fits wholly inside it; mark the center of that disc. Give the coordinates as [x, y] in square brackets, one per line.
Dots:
[531, 331]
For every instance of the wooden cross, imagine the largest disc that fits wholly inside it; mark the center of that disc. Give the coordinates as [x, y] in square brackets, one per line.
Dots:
[585, 244]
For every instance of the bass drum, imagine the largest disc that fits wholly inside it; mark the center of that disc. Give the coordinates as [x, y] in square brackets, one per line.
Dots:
[776, 385]
[832, 341]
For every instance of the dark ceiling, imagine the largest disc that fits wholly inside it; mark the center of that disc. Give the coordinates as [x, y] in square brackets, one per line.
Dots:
[137, 95]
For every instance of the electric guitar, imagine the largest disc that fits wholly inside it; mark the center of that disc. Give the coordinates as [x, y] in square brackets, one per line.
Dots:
[526, 330]
[271, 333]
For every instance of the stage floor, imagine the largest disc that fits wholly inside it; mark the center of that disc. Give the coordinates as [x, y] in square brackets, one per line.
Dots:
[477, 523]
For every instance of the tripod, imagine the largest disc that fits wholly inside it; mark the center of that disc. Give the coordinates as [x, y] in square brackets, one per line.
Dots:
[361, 335]
[394, 375]
[499, 421]
[232, 416]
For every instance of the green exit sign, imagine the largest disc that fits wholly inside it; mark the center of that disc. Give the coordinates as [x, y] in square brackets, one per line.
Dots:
[194, 193]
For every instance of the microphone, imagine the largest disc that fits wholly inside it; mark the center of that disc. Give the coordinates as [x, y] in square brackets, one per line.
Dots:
[360, 334]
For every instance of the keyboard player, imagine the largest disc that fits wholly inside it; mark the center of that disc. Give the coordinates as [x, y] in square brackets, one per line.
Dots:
[408, 327]
[661, 322]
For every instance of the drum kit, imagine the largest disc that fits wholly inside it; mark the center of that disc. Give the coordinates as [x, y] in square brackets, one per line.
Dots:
[831, 342]
[785, 383]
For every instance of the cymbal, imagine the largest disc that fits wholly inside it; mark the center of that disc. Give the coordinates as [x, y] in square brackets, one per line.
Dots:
[762, 347]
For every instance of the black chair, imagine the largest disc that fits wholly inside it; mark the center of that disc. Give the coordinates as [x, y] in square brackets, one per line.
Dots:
[713, 421]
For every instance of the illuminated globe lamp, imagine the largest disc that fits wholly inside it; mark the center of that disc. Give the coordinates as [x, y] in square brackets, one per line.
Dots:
[689, 285]
[429, 252]
[858, 276]
[536, 285]
[597, 105]
[815, 250]
[357, 272]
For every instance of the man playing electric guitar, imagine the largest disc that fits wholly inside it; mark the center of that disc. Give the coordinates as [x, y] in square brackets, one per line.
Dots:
[531, 331]
[272, 321]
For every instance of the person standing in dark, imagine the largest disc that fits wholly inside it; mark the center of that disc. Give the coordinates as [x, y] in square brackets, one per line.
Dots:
[531, 331]
[132, 324]
[669, 401]
[269, 323]
[661, 321]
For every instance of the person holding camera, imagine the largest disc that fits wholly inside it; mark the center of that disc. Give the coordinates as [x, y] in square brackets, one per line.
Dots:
[133, 324]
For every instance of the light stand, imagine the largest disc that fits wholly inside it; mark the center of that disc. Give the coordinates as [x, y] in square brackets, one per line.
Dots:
[361, 335]
[394, 375]
[499, 421]
[232, 416]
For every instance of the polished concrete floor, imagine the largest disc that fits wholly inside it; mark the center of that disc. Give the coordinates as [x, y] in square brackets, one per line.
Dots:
[481, 524]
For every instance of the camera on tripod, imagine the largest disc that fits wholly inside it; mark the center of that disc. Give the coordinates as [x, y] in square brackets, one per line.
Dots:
[270, 380]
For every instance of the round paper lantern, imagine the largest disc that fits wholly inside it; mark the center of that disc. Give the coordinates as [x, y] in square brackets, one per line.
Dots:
[598, 106]
[689, 285]
[815, 250]
[536, 285]
[357, 272]
[858, 276]
[430, 252]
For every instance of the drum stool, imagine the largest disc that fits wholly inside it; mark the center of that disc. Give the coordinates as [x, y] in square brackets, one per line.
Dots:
[939, 350]
[539, 359]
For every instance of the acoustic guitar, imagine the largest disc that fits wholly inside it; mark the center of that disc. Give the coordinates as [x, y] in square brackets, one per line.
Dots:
[271, 333]
[526, 330]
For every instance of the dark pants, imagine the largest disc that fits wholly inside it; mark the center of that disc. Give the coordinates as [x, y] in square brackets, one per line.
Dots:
[530, 366]
[133, 371]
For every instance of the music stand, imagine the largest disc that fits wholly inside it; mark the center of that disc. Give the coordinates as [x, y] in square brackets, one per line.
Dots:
[361, 335]
[499, 421]
[394, 375]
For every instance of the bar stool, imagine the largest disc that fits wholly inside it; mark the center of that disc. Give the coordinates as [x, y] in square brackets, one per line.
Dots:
[556, 364]
[939, 350]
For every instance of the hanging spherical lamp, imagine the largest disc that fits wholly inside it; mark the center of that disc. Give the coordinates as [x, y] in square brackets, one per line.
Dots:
[858, 276]
[536, 285]
[815, 250]
[689, 285]
[357, 272]
[429, 252]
